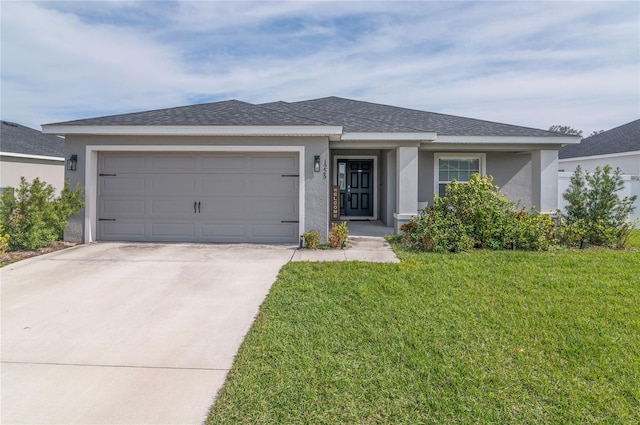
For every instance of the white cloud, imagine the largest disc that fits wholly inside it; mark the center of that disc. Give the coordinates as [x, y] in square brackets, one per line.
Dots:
[527, 63]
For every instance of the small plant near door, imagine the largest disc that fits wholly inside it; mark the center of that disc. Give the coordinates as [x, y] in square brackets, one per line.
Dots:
[311, 239]
[339, 234]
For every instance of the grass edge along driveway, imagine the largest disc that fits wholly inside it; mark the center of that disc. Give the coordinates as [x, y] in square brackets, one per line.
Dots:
[485, 337]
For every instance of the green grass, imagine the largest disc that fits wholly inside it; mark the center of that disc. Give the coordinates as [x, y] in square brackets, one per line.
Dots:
[486, 337]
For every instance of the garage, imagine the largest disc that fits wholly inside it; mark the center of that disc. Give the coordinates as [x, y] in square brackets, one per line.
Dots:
[198, 197]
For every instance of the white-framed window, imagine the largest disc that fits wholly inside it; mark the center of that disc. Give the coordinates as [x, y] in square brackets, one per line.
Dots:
[456, 166]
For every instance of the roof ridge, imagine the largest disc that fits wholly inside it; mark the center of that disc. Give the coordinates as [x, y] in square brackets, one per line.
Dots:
[365, 118]
[430, 112]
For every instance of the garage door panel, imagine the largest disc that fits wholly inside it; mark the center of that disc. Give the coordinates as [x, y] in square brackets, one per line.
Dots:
[172, 229]
[276, 185]
[134, 206]
[224, 163]
[174, 184]
[173, 207]
[112, 185]
[273, 163]
[275, 231]
[233, 232]
[224, 185]
[121, 230]
[242, 197]
[173, 163]
[122, 162]
[224, 208]
[277, 209]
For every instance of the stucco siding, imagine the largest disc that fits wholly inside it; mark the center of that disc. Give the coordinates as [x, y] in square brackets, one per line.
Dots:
[512, 174]
[12, 168]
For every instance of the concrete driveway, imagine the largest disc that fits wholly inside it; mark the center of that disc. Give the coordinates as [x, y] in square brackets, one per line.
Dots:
[127, 333]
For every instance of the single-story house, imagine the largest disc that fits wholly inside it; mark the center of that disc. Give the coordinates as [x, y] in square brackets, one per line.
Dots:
[233, 171]
[618, 147]
[25, 152]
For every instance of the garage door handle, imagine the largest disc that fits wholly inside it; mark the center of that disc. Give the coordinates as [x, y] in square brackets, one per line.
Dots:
[198, 207]
[194, 207]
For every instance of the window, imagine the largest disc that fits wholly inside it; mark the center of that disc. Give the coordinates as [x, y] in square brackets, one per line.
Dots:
[458, 167]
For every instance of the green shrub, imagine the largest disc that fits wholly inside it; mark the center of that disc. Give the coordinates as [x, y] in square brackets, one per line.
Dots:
[311, 239]
[339, 234]
[476, 214]
[534, 231]
[595, 214]
[33, 216]
[4, 241]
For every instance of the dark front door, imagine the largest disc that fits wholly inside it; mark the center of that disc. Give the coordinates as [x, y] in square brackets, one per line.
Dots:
[355, 178]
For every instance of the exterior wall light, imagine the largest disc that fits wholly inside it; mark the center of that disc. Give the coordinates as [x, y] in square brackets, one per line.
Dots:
[72, 163]
[316, 163]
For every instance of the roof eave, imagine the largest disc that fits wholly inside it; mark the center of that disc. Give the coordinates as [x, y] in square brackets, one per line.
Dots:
[510, 140]
[362, 136]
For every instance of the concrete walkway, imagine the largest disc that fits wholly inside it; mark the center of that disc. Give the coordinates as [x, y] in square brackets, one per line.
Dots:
[363, 248]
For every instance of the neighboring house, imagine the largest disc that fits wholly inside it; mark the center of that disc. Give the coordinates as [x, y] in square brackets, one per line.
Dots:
[233, 171]
[618, 147]
[25, 152]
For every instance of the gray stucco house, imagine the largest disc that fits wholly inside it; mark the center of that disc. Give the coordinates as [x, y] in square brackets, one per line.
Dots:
[25, 152]
[232, 171]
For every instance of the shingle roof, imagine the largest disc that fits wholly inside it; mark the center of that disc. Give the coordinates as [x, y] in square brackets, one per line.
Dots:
[352, 115]
[625, 138]
[373, 117]
[228, 112]
[16, 138]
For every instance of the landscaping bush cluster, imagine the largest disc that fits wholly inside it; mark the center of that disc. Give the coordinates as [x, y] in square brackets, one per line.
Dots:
[595, 214]
[33, 216]
[476, 215]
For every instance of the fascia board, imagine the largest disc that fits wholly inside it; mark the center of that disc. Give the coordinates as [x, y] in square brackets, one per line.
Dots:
[28, 156]
[373, 144]
[422, 137]
[196, 130]
[602, 156]
[509, 140]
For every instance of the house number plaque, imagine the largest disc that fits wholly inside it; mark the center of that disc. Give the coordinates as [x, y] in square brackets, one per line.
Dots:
[335, 203]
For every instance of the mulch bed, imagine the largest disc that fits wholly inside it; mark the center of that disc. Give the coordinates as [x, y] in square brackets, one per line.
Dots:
[13, 256]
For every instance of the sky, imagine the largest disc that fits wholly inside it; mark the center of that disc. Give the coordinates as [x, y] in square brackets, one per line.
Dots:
[533, 64]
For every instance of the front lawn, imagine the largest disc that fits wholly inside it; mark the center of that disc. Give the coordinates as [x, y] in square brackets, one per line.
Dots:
[485, 337]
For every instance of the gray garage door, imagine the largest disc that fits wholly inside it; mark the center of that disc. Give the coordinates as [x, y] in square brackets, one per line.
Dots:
[198, 197]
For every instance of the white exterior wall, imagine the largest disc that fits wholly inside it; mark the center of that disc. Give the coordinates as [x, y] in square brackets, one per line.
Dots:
[628, 162]
[50, 171]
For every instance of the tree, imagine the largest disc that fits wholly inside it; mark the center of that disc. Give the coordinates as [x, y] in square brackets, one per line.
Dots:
[594, 212]
[565, 129]
[595, 132]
